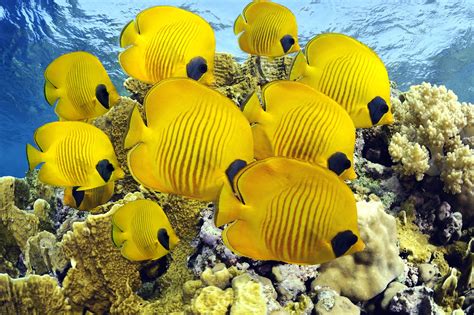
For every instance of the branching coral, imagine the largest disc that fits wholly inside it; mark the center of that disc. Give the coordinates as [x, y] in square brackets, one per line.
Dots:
[433, 135]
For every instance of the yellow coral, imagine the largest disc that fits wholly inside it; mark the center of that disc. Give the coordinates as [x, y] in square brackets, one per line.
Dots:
[100, 278]
[32, 295]
[248, 295]
[212, 301]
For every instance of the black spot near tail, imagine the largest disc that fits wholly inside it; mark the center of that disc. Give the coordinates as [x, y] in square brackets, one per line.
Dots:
[338, 163]
[287, 42]
[164, 238]
[105, 169]
[102, 95]
[78, 195]
[377, 108]
[196, 68]
[342, 242]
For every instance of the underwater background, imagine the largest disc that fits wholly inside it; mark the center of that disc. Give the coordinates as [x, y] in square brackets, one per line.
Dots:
[389, 217]
[423, 40]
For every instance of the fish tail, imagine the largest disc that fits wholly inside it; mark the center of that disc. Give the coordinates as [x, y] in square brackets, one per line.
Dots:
[128, 35]
[50, 93]
[252, 109]
[118, 236]
[34, 156]
[239, 25]
[136, 129]
[299, 66]
[230, 212]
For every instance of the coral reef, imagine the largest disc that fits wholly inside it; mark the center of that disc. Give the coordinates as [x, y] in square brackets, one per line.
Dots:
[414, 301]
[31, 295]
[365, 274]
[432, 136]
[329, 302]
[102, 277]
[419, 248]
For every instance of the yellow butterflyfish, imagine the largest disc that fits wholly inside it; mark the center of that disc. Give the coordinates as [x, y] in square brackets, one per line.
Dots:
[193, 135]
[164, 42]
[79, 86]
[301, 123]
[87, 200]
[142, 231]
[74, 153]
[288, 210]
[267, 29]
[350, 73]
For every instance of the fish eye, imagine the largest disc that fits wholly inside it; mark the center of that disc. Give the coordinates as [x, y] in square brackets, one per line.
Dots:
[384, 108]
[110, 168]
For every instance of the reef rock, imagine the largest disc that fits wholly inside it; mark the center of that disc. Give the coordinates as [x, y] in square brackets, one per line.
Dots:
[330, 303]
[414, 301]
[365, 274]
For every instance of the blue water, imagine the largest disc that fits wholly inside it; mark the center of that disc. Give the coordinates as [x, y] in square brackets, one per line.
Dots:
[418, 40]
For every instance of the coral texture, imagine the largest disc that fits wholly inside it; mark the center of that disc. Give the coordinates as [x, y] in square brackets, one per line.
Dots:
[365, 274]
[99, 276]
[32, 295]
[433, 135]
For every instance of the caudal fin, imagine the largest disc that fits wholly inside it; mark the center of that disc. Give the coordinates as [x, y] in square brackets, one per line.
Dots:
[298, 68]
[239, 25]
[252, 109]
[34, 156]
[136, 128]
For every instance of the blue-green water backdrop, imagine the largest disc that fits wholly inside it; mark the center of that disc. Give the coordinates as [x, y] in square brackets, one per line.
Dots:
[424, 40]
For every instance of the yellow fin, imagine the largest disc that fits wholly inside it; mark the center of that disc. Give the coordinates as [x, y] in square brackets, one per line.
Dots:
[239, 25]
[50, 93]
[136, 128]
[240, 239]
[34, 156]
[228, 207]
[130, 60]
[128, 35]
[298, 67]
[49, 174]
[252, 109]
[262, 146]
[118, 236]
[141, 170]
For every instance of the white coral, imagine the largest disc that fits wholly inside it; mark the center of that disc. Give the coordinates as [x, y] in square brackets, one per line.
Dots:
[432, 121]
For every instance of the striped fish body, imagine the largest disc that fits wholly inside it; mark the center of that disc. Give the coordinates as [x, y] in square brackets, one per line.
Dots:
[190, 139]
[74, 154]
[142, 230]
[80, 86]
[264, 26]
[350, 73]
[89, 199]
[289, 211]
[301, 123]
[164, 42]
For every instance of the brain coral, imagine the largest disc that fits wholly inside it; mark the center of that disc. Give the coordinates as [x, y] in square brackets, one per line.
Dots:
[433, 135]
[365, 274]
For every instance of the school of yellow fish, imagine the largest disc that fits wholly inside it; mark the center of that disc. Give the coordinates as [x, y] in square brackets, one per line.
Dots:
[275, 167]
